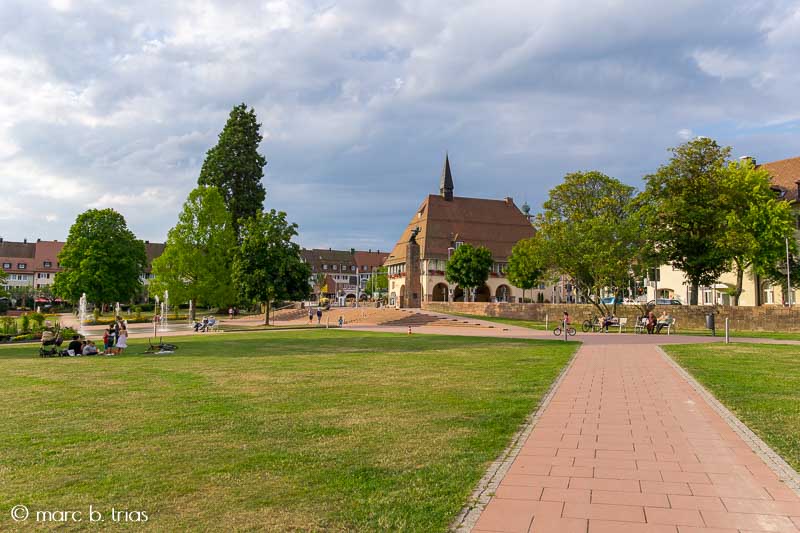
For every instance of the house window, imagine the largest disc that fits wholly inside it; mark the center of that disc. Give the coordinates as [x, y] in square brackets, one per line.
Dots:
[336, 267]
[48, 264]
[22, 266]
[324, 267]
[769, 295]
[353, 268]
[6, 265]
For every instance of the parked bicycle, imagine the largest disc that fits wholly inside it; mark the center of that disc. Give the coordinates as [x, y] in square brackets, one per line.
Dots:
[571, 331]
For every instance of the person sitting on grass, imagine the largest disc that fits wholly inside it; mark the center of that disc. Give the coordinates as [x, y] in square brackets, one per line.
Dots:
[75, 346]
[90, 348]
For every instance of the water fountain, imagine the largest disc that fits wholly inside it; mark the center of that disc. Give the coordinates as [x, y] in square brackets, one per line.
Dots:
[82, 314]
[117, 310]
[164, 317]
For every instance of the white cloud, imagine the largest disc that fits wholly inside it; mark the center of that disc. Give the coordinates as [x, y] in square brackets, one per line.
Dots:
[115, 104]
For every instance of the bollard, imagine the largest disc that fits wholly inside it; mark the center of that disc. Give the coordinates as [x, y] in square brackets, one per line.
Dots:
[409, 329]
[727, 332]
[545, 322]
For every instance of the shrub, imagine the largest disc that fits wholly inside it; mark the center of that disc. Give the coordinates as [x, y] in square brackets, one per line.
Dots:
[96, 314]
[9, 325]
[26, 323]
[38, 320]
[138, 310]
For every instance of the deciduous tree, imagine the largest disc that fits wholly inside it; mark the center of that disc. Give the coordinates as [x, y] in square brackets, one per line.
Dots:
[469, 267]
[756, 224]
[684, 219]
[102, 258]
[195, 265]
[267, 265]
[590, 230]
[235, 167]
[526, 266]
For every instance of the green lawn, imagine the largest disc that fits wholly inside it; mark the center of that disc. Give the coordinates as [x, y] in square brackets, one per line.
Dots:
[758, 382]
[303, 430]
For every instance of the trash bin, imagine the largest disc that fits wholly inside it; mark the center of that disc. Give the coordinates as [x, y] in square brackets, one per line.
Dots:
[710, 323]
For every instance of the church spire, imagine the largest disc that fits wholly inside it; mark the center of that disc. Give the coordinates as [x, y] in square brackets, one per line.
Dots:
[446, 183]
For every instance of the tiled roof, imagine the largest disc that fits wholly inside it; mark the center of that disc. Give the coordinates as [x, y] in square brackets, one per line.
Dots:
[496, 224]
[370, 259]
[25, 250]
[785, 175]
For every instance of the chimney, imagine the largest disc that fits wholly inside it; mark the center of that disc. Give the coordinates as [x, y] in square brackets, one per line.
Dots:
[509, 200]
[25, 240]
[748, 158]
[147, 242]
[38, 240]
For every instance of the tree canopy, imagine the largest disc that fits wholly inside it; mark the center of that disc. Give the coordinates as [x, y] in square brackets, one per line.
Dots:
[526, 266]
[195, 265]
[756, 222]
[102, 258]
[591, 231]
[267, 265]
[684, 218]
[469, 267]
[235, 167]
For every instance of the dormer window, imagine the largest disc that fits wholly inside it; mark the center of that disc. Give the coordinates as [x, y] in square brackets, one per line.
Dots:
[6, 265]
[48, 264]
[22, 266]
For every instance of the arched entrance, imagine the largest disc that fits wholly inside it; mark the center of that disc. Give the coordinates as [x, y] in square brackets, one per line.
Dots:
[503, 293]
[458, 294]
[439, 293]
[483, 294]
[350, 298]
[401, 301]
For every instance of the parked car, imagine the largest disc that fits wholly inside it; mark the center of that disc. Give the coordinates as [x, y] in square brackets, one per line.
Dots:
[664, 301]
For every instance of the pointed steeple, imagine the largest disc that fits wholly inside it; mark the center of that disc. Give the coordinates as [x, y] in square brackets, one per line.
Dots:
[446, 183]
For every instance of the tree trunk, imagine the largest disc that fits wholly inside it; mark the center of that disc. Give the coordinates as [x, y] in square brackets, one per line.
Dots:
[739, 283]
[692, 294]
[266, 313]
[193, 306]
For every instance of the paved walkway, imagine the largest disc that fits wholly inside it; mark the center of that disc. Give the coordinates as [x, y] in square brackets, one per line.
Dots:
[626, 445]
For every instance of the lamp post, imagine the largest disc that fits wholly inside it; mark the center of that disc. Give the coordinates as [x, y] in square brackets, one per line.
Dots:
[788, 276]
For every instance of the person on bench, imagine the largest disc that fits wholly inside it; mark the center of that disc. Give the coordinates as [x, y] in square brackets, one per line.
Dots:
[663, 321]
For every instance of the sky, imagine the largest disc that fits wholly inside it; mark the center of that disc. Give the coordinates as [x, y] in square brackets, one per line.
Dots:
[114, 104]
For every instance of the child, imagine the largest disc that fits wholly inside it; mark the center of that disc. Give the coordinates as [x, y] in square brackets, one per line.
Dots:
[122, 341]
[108, 341]
[341, 321]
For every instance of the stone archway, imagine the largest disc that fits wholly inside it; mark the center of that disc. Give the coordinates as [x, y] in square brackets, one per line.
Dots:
[439, 293]
[458, 295]
[483, 294]
[503, 293]
[402, 300]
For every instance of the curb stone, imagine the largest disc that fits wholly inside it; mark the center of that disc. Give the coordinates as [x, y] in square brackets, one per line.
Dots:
[775, 462]
[484, 491]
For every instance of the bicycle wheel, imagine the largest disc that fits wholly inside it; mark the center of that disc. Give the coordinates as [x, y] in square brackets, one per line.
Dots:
[168, 347]
[571, 331]
[587, 326]
[557, 332]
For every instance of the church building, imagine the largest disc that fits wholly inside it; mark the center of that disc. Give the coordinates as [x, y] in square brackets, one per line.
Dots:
[443, 222]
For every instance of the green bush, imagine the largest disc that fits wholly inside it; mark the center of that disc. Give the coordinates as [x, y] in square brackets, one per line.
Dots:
[9, 325]
[26, 323]
[138, 310]
[96, 314]
[38, 321]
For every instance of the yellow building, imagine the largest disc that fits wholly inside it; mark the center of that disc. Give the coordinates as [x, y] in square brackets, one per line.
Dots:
[441, 224]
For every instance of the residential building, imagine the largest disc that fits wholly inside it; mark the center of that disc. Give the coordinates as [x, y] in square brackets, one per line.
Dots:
[35, 264]
[439, 226]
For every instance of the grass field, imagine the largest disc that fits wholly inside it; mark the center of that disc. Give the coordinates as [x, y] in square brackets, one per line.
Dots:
[308, 430]
[758, 382]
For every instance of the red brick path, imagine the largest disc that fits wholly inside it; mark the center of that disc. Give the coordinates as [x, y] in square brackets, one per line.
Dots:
[626, 445]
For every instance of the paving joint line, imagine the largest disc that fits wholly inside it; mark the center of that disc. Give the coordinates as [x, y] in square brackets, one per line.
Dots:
[484, 491]
[773, 460]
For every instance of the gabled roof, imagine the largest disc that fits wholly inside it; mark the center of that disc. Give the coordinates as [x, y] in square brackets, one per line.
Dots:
[370, 259]
[785, 175]
[19, 250]
[496, 224]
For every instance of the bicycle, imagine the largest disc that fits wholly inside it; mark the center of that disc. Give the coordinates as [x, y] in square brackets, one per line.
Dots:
[571, 331]
[160, 348]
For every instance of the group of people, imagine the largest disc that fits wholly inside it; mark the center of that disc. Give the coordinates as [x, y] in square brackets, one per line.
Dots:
[205, 325]
[115, 338]
[81, 347]
[655, 325]
[311, 315]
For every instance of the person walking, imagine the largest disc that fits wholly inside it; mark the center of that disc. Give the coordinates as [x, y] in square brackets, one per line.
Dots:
[319, 316]
[310, 316]
[230, 312]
